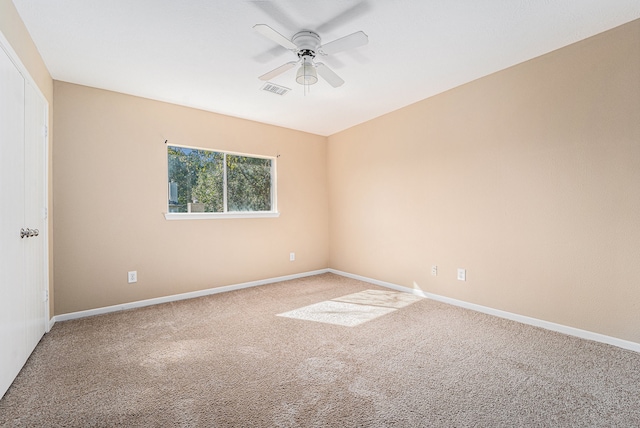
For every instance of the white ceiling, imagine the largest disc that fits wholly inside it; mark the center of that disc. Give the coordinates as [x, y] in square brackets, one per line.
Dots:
[205, 54]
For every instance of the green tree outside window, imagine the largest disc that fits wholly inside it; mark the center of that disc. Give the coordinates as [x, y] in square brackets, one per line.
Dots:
[216, 182]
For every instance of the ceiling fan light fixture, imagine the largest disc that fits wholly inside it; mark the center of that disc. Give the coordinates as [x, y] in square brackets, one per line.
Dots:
[307, 74]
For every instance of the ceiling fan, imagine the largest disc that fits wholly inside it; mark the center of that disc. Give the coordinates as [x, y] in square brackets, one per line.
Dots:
[306, 45]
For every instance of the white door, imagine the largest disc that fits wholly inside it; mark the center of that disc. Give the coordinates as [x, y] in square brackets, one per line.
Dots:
[34, 214]
[22, 189]
[13, 342]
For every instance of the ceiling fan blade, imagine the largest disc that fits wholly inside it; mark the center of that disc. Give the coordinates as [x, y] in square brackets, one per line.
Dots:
[273, 35]
[278, 71]
[348, 15]
[276, 14]
[329, 75]
[342, 44]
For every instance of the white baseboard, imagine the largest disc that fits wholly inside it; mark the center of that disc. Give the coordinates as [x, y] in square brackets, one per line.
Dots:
[571, 331]
[176, 297]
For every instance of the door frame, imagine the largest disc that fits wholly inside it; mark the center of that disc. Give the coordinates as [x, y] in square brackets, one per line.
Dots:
[13, 56]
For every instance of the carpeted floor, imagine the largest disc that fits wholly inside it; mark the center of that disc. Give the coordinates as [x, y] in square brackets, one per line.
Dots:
[253, 358]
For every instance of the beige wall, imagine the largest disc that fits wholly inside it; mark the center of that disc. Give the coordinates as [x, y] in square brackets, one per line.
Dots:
[110, 189]
[15, 32]
[528, 178]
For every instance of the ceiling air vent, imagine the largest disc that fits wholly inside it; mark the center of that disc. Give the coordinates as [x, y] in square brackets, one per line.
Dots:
[275, 89]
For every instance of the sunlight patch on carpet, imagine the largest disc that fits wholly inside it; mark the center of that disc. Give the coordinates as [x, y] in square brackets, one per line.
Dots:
[339, 313]
[353, 309]
[387, 299]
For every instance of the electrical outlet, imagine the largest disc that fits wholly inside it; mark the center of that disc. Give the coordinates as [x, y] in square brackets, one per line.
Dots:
[132, 276]
[462, 274]
[292, 257]
[434, 270]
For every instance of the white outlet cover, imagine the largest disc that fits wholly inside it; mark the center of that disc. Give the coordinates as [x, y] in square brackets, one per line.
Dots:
[292, 257]
[462, 274]
[132, 276]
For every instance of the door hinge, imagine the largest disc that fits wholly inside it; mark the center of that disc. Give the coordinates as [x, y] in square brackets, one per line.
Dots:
[45, 213]
[46, 295]
[46, 132]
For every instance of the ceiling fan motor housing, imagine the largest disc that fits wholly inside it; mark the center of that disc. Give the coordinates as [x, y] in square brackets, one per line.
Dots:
[307, 43]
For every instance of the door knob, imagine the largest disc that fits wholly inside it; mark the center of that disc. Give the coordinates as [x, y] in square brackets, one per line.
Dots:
[28, 233]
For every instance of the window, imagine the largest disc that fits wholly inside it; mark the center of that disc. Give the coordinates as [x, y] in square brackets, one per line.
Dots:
[210, 184]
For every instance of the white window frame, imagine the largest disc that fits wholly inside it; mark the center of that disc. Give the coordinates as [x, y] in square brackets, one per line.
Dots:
[233, 214]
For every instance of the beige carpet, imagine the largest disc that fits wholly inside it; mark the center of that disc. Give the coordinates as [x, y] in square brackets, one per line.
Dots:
[250, 359]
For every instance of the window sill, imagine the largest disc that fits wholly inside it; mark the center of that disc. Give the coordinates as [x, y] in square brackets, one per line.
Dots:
[207, 216]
